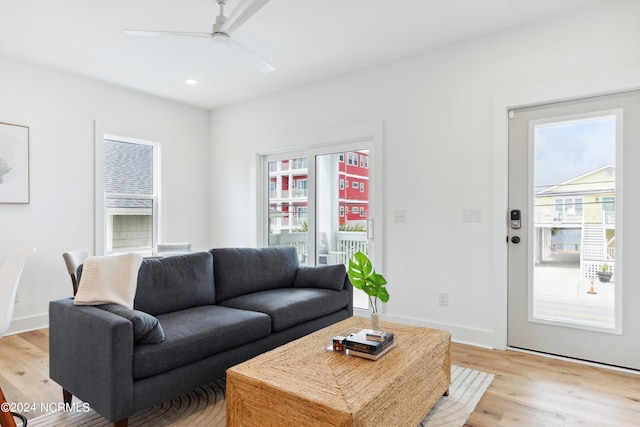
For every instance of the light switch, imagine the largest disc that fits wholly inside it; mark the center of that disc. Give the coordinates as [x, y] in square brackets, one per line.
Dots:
[471, 215]
[400, 215]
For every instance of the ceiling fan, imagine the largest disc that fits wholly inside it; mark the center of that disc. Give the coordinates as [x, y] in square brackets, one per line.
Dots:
[222, 29]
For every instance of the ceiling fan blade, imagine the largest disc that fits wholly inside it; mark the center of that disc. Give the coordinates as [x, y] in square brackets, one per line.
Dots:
[241, 14]
[166, 33]
[258, 62]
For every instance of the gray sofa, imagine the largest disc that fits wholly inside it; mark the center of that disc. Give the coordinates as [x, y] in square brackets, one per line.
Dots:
[213, 309]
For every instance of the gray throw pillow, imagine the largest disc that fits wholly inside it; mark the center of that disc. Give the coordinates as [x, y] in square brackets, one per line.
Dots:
[323, 276]
[146, 328]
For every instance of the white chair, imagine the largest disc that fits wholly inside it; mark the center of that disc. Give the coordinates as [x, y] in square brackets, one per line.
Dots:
[73, 260]
[10, 274]
[166, 249]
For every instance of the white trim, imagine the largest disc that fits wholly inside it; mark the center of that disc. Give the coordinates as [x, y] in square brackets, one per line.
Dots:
[504, 100]
[26, 324]
[464, 335]
[102, 131]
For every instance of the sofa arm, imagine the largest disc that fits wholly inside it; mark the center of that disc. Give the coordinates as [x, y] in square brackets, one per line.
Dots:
[91, 356]
[348, 286]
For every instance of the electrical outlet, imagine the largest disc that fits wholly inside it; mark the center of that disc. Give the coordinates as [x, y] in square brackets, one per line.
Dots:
[443, 299]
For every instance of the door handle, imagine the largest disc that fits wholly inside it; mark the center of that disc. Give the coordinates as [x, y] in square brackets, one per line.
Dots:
[515, 239]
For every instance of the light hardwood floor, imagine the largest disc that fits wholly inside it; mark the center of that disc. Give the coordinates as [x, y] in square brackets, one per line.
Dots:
[527, 390]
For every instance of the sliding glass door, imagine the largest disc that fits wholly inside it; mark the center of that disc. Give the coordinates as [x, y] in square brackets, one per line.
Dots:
[321, 201]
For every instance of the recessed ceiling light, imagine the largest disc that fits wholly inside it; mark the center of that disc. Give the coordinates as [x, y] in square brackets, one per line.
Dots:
[191, 81]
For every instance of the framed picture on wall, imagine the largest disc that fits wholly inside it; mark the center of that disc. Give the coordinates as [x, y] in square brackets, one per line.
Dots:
[14, 163]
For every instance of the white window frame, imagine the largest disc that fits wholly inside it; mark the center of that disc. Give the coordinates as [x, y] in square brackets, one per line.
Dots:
[365, 136]
[301, 184]
[125, 134]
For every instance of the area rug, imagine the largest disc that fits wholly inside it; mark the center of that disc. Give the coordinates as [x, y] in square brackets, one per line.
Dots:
[205, 407]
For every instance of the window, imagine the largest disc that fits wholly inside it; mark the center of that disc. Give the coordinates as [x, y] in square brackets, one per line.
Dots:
[350, 159]
[362, 213]
[559, 209]
[609, 209]
[302, 212]
[130, 209]
[341, 211]
[342, 184]
[362, 187]
[301, 188]
[354, 210]
[299, 163]
[355, 185]
[578, 206]
[569, 210]
[362, 161]
[341, 158]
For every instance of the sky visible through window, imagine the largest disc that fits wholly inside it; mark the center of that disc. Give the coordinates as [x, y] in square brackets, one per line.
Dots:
[565, 150]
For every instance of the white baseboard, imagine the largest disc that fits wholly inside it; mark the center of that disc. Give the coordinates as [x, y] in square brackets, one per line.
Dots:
[463, 335]
[26, 324]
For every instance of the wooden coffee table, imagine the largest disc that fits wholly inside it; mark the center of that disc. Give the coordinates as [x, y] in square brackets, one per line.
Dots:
[303, 384]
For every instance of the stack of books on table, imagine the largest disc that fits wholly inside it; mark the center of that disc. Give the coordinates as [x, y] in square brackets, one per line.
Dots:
[369, 344]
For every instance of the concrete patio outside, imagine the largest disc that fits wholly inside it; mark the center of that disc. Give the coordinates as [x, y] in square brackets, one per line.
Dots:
[561, 294]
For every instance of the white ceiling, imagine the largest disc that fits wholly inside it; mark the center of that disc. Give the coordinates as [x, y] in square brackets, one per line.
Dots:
[306, 40]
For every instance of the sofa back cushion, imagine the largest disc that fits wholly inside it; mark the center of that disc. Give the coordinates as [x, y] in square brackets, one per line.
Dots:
[330, 276]
[241, 271]
[175, 283]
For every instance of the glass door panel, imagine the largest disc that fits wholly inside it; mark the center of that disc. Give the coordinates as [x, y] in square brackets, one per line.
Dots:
[342, 196]
[574, 189]
[288, 201]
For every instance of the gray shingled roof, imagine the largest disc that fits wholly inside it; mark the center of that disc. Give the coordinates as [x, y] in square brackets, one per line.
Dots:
[128, 169]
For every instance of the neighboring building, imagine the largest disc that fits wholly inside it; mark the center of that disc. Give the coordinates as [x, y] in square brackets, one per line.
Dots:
[130, 194]
[353, 171]
[288, 191]
[585, 204]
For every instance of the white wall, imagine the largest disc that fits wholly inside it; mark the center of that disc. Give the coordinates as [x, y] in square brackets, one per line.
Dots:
[439, 114]
[60, 110]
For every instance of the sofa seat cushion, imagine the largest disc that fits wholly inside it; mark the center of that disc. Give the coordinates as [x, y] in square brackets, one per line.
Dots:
[290, 307]
[195, 333]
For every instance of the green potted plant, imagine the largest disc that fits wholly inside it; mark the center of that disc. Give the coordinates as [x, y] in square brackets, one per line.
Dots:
[364, 277]
[604, 275]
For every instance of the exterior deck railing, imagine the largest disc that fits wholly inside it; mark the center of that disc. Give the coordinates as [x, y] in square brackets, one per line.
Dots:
[347, 243]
